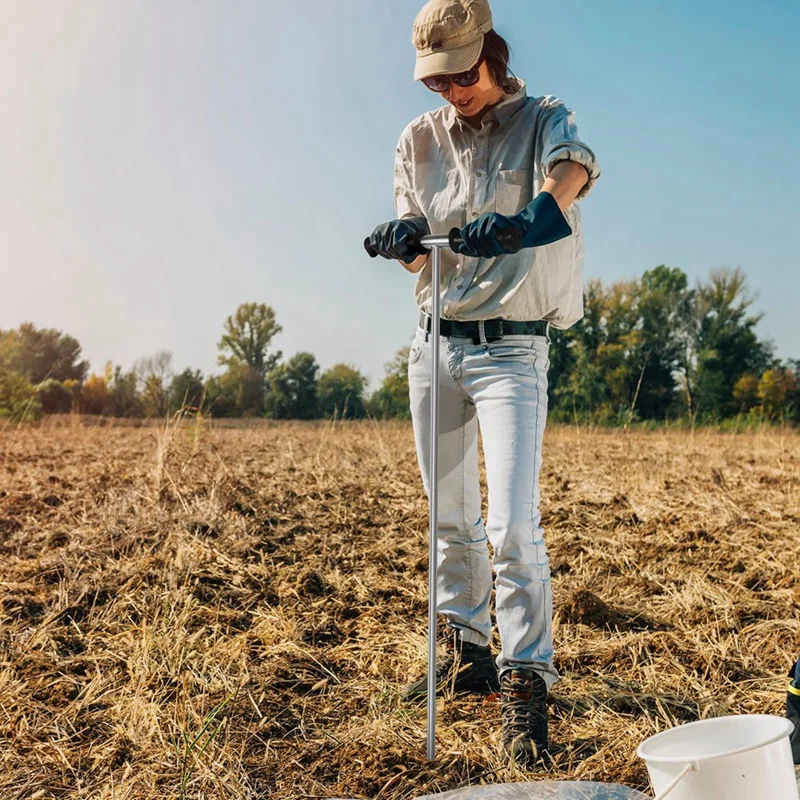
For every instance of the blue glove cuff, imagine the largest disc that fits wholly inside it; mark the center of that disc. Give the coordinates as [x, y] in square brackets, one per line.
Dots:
[542, 221]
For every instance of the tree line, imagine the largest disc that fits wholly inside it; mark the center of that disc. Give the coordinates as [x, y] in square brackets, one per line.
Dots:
[42, 372]
[655, 348]
[652, 348]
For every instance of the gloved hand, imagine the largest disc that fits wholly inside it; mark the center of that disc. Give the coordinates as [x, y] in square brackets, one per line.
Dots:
[400, 238]
[541, 222]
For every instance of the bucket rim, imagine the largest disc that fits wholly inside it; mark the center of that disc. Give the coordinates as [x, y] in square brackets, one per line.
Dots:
[787, 728]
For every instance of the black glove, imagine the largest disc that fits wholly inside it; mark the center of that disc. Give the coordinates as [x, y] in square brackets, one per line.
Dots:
[400, 238]
[541, 222]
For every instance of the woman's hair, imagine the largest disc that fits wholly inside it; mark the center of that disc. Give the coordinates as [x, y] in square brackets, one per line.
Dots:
[496, 53]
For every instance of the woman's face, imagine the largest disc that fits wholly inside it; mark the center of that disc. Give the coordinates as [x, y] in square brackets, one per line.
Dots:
[472, 101]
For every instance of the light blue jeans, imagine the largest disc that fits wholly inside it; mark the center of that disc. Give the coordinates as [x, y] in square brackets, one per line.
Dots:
[503, 386]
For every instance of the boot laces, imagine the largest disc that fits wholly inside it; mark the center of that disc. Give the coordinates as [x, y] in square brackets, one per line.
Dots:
[522, 715]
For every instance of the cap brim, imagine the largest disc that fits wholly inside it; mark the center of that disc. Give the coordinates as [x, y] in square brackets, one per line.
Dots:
[448, 62]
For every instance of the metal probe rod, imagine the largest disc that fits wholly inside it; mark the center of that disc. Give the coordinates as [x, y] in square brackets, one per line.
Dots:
[435, 243]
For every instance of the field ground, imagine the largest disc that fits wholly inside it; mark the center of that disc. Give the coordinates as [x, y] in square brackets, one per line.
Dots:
[229, 613]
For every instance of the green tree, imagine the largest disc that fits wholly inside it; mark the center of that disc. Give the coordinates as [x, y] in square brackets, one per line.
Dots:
[391, 400]
[18, 398]
[562, 358]
[9, 348]
[727, 346]
[243, 348]
[654, 345]
[44, 353]
[54, 397]
[291, 391]
[600, 372]
[218, 402]
[664, 303]
[687, 333]
[186, 390]
[341, 392]
[573, 383]
[247, 337]
[239, 392]
[124, 400]
[793, 403]
[581, 391]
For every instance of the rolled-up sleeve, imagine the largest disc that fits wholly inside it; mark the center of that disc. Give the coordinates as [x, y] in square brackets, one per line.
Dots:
[405, 200]
[560, 142]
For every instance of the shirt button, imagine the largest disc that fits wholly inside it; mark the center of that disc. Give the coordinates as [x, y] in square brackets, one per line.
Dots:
[460, 286]
[479, 173]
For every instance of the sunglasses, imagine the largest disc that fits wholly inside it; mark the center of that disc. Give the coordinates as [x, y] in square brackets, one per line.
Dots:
[441, 83]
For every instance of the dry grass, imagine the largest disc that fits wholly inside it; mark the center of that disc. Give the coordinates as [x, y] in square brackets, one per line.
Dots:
[229, 613]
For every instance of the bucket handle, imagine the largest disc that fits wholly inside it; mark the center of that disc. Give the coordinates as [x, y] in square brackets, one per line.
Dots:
[674, 782]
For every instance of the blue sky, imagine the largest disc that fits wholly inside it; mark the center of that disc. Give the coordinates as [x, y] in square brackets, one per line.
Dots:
[163, 162]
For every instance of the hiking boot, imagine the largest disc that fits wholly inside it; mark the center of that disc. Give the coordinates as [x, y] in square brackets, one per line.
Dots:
[523, 709]
[465, 667]
[793, 709]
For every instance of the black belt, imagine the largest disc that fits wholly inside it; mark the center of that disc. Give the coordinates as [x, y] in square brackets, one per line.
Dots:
[495, 329]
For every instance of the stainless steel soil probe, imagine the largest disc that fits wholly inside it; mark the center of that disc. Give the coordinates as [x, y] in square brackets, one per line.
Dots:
[511, 239]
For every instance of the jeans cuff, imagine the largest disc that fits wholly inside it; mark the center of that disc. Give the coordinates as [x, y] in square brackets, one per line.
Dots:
[471, 637]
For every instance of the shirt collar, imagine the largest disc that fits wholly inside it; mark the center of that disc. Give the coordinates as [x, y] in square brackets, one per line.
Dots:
[510, 103]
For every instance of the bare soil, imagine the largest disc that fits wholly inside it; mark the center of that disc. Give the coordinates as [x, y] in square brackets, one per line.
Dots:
[196, 611]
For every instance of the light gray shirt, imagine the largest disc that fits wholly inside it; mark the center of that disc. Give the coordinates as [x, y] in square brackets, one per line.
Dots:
[450, 172]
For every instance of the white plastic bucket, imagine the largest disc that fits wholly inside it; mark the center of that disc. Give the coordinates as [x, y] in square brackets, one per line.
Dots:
[745, 757]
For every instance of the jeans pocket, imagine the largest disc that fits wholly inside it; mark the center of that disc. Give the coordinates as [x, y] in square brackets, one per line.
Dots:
[508, 353]
[533, 351]
[415, 351]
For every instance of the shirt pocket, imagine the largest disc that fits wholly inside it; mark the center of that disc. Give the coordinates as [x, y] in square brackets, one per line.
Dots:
[514, 190]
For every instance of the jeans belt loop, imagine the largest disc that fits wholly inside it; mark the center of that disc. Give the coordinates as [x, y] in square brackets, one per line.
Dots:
[482, 334]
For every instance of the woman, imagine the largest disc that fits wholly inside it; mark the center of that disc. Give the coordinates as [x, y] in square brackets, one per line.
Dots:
[490, 159]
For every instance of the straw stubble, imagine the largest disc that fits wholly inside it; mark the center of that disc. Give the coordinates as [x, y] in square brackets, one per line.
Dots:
[208, 612]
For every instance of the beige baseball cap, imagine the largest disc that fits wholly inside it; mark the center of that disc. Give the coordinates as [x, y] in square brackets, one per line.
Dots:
[448, 35]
